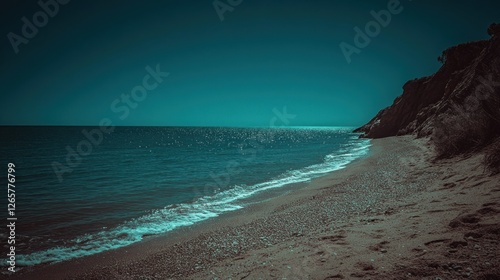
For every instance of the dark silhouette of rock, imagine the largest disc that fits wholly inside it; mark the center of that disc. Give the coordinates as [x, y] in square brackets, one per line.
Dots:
[494, 29]
[468, 69]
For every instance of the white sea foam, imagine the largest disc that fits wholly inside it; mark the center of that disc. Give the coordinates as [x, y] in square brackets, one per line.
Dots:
[171, 217]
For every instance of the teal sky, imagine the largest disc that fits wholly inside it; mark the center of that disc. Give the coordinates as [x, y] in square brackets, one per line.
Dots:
[263, 55]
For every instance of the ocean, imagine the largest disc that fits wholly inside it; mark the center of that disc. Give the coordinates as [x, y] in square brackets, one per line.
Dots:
[81, 192]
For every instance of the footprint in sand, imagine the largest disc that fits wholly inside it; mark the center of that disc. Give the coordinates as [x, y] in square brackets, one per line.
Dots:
[323, 257]
[462, 179]
[488, 210]
[464, 220]
[437, 243]
[381, 246]
[367, 269]
[448, 186]
[337, 239]
[490, 204]
[477, 184]
[458, 244]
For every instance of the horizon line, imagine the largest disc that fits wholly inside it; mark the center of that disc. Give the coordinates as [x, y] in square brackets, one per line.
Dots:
[194, 126]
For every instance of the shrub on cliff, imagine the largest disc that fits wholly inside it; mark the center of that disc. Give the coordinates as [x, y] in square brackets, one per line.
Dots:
[467, 127]
[458, 131]
[494, 29]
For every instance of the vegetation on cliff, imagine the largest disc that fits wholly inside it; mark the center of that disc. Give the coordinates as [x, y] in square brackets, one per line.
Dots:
[458, 107]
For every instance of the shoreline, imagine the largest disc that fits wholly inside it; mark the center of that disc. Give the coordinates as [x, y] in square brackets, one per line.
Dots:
[353, 222]
[150, 243]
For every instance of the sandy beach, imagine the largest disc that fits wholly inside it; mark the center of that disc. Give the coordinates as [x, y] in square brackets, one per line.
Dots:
[395, 214]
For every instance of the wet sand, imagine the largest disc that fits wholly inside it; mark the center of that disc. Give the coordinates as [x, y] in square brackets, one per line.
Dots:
[392, 215]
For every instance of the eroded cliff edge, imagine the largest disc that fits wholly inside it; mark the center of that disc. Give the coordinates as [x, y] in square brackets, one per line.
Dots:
[468, 79]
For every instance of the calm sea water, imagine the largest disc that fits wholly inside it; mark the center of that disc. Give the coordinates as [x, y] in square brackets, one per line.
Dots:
[141, 181]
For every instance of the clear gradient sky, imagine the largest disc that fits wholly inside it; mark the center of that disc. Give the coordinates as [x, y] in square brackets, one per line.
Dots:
[264, 54]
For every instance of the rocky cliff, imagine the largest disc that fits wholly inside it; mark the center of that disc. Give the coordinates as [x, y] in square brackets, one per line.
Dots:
[468, 78]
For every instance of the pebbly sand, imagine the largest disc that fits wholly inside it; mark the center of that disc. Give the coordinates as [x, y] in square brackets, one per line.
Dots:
[392, 215]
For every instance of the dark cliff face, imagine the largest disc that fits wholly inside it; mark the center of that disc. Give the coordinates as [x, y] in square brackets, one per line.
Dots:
[468, 69]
